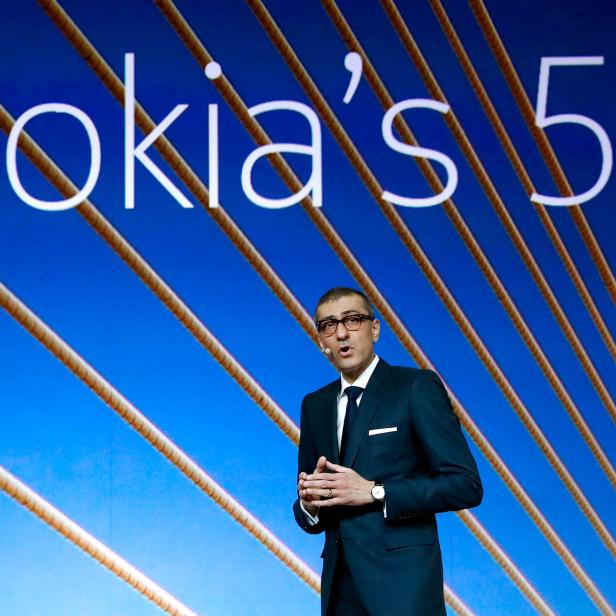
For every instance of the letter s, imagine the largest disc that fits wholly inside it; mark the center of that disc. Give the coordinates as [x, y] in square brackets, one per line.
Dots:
[403, 148]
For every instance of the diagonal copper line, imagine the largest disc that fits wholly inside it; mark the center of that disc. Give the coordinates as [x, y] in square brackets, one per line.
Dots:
[457, 220]
[179, 309]
[517, 239]
[84, 47]
[153, 435]
[522, 173]
[428, 269]
[456, 604]
[79, 537]
[481, 534]
[528, 113]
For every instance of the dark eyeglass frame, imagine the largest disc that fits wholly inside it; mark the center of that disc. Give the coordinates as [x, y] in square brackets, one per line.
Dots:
[345, 320]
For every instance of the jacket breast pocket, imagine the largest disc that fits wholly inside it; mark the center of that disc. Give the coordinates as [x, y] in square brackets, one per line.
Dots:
[386, 447]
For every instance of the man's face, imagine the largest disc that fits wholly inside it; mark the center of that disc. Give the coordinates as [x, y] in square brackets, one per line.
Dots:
[350, 351]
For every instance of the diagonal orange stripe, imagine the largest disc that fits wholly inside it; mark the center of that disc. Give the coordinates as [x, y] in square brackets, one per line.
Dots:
[106, 557]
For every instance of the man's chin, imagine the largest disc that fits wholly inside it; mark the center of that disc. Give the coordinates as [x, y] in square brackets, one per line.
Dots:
[344, 363]
[349, 366]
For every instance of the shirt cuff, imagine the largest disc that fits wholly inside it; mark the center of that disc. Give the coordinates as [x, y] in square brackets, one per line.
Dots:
[313, 520]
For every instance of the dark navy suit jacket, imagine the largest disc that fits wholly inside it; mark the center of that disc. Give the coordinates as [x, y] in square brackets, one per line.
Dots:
[425, 466]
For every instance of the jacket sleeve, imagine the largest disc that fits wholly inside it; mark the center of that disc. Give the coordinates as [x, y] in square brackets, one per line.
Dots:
[306, 462]
[450, 479]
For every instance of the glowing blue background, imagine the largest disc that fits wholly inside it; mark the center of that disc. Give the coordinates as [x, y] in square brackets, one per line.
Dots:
[65, 443]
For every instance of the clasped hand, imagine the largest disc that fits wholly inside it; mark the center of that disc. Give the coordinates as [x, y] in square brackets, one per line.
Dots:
[340, 486]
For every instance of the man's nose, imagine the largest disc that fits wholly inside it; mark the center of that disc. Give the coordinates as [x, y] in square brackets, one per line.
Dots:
[341, 331]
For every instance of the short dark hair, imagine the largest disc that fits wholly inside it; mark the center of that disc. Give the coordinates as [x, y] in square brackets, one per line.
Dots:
[338, 292]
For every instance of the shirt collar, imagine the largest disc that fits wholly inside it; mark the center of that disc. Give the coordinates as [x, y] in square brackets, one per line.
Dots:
[362, 379]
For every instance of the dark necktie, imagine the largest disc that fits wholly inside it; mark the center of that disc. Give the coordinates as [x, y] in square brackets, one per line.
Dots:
[350, 419]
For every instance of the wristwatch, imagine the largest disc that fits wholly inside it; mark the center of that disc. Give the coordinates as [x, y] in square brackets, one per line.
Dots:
[378, 492]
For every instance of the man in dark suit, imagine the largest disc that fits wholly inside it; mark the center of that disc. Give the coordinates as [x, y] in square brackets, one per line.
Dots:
[381, 451]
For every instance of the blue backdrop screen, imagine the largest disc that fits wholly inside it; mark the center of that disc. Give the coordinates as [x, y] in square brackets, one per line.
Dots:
[170, 287]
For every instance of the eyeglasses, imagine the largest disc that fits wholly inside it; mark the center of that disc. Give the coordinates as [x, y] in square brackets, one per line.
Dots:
[352, 322]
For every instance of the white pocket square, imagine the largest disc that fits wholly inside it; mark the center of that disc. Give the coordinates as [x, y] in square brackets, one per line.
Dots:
[382, 431]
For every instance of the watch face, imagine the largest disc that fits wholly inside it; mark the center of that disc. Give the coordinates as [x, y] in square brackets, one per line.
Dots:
[378, 492]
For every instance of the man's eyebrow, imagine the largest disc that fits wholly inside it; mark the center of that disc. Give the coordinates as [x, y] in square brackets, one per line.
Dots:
[343, 313]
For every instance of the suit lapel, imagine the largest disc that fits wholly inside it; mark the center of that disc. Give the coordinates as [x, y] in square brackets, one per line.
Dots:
[367, 407]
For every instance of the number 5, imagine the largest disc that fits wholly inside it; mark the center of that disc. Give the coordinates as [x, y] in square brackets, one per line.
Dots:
[572, 118]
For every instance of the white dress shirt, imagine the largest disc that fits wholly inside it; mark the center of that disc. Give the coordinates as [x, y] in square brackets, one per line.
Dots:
[361, 381]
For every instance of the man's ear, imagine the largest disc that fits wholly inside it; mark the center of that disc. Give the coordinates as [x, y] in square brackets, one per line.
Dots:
[376, 329]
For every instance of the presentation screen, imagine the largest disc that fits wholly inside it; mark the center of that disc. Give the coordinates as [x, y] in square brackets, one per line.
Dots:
[180, 183]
